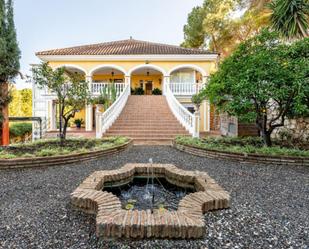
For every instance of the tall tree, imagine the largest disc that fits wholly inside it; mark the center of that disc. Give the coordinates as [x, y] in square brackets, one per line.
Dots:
[193, 31]
[9, 63]
[217, 27]
[21, 104]
[264, 81]
[290, 17]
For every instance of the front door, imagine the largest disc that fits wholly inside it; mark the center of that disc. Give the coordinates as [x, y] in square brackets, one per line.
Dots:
[149, 88]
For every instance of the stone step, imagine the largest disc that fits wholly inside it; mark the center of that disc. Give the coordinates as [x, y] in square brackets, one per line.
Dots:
[147, 122]
[145, 129]
[145, 136]
[146, 133]
[147, 119]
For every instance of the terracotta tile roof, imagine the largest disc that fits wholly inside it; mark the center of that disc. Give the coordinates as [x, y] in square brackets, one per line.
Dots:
[125, 47]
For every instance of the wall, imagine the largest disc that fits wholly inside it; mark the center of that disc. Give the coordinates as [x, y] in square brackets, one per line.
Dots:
[156, 80]
[105, 77]
[297, 129]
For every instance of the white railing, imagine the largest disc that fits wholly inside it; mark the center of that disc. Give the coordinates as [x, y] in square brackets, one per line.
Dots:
[186, 88]
[105, 119]
[99, 87]
[186, 118]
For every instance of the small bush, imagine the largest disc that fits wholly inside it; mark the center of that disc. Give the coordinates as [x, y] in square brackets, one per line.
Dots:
[18, 131]
[138, 91]
[156, 91]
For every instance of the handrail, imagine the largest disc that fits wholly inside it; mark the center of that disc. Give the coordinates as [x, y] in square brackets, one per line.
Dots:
[106, 119]
[186, 118]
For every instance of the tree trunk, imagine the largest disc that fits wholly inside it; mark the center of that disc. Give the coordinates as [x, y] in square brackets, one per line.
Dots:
[5, 130]
[267, 138]
[65, 126]
[60, 120]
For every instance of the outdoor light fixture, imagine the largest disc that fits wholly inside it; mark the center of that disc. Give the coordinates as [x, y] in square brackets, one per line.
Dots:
[148, 73]
[113, 73]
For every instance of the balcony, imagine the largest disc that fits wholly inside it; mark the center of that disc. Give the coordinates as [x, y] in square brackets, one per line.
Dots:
[100, 87]
[185, 89]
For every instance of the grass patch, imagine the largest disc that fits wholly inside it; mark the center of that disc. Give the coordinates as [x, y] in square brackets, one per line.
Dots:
[51, 147]
[253, 145]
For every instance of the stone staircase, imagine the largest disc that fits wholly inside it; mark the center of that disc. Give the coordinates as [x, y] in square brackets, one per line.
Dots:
[147, 120]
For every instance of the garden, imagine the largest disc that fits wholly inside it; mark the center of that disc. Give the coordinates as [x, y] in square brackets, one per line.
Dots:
[246, 145]
[55, 147]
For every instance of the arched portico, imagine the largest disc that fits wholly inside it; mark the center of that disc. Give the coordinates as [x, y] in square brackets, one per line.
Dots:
[189, 66]
[147, 77]
[187, 79]
[107, 67]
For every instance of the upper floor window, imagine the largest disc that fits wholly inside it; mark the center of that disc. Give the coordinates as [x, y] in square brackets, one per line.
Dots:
[183, 77]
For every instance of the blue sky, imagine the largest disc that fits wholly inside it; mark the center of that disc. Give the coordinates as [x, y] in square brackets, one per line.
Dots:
[46, 24]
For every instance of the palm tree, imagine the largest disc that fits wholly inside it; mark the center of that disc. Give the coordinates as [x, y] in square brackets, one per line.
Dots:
[290, 17]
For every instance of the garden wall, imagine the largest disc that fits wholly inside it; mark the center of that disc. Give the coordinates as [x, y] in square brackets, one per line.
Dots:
[244, 158]
[60, 160]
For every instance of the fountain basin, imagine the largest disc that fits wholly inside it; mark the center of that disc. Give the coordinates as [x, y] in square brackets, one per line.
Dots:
[113, 221]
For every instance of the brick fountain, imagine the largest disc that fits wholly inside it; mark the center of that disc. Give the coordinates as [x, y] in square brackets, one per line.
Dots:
[113, 221]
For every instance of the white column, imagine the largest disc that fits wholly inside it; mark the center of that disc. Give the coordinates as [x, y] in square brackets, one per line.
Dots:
[166, 82]
[127, 80]
[196, 124]
[88, 117]
[54, 118]
[88, 108]
[52, 115]
[205, 79]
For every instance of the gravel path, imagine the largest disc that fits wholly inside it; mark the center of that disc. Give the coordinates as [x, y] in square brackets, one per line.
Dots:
[269, 205]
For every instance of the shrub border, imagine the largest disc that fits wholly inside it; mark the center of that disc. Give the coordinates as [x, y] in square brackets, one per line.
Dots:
[61, 160]
[242, 157]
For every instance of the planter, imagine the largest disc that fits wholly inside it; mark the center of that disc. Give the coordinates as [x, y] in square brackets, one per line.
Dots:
[243, 157]
[60, 160]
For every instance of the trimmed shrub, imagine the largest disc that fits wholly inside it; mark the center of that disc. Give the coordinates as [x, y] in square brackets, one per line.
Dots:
[20, 130]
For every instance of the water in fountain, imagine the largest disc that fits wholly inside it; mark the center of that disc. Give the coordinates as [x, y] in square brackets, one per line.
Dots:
[149, 192]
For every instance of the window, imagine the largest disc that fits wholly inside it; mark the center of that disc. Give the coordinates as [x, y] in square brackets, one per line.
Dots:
[183, 77]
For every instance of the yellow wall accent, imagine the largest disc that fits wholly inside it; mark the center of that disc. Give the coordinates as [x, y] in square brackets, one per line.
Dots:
[105, 77]
[156, 81]
[208, 66]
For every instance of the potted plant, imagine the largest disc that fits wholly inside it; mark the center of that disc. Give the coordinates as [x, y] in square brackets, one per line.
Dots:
[139, 91]
[78, 122]
[156, 91]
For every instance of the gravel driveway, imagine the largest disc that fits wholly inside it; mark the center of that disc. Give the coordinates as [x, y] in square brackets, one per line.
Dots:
[269, 209]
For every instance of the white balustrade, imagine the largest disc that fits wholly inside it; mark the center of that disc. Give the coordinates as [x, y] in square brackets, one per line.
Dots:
[186, 118]
[105, 119]
[186, 88]
[98, 87]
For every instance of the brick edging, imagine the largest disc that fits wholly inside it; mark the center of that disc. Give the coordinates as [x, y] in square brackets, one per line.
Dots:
[242, 157]
[112, 221]
[60, 160]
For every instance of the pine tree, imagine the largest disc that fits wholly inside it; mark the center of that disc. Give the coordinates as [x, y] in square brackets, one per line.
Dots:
[9, 62]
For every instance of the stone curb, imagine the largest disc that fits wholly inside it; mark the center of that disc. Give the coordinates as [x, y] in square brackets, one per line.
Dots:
[114, 222]
[60, 160]
[240, 157]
